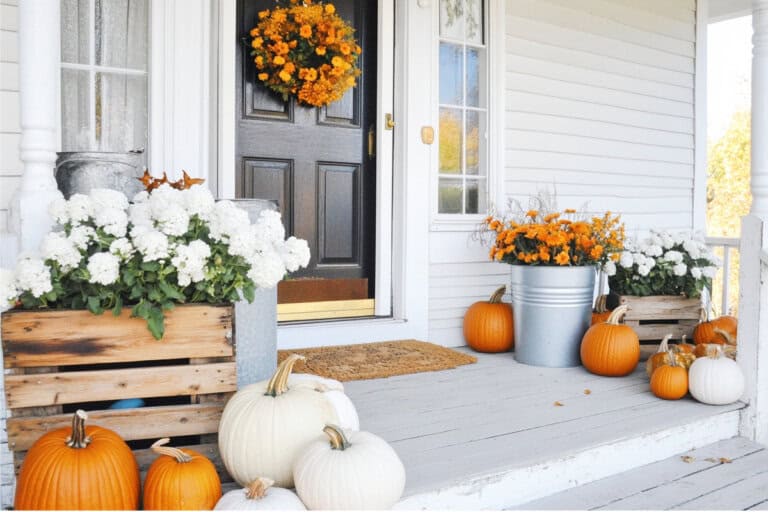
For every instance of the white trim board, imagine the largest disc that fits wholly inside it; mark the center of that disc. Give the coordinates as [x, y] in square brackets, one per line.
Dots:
[699, 221]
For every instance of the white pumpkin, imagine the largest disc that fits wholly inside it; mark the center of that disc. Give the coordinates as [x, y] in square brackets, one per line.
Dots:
[715, 380]
[355, 471]
[333, 390]
[260, 495]
[265, 427]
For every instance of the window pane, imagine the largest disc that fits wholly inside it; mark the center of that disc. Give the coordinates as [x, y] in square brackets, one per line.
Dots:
[75, 111]
[121, 112]
[121, 33]
[451, 74]
[474, 21]
[450, 198]
[452, 19]
[474, 146]
[450, 140]
[75, 31]
[476, 73]
[476, 196]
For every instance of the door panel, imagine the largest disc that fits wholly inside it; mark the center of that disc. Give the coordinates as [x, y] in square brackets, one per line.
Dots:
[314, 161]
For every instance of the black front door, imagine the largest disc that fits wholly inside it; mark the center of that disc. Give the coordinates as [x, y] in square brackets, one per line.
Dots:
[316, 162]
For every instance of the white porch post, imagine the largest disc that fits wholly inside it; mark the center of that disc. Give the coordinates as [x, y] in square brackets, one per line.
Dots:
[39, 55]
[753, 296]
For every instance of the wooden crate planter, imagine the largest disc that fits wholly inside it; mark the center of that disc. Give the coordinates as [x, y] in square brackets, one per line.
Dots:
[655, 316]
[60, 358]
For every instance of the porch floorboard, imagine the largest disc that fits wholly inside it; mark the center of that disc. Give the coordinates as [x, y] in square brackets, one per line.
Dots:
[491, 434]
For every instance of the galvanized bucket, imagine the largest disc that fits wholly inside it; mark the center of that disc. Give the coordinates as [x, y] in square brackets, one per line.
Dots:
[552, 311]
[77, 172]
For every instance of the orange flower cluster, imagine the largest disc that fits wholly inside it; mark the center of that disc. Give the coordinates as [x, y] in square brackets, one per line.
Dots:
[556, 239]
[305, 50]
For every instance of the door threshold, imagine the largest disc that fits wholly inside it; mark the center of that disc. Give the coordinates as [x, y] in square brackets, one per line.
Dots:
[325, 310]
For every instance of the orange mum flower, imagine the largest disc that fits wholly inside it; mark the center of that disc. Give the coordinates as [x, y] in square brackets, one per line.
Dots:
[562, 258]
[305, 31]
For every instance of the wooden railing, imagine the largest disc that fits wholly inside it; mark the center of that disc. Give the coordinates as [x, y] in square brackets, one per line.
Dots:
[727, 245]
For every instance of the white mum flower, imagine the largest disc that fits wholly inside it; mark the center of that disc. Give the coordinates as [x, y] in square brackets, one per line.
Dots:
[79, 208]
[172, 219]
[141, 197]
[122, 247]
[692, 248]
[153, 245]
[266, 269]
[643, 270]
[106, 198]
[626, 260]
[246, 242]
[654, 250]
[667, 242]
[113, 221]
[34, 276]
[58, 211]
[190, 261]
[104, 268]
[295, 253]
[609, 268]
[680, 269]
[8, 291]
[82, 236]
[270, 225]
[57, 247]
[709, 272]
[226, 220]
[199, 201]
[650, 262]
[696, 272]
[140, 214]
[673, 256]
[164, 196]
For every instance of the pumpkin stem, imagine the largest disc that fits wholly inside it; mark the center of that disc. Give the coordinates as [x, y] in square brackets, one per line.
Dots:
[671, 357]
[258, 488]
[278, 384]
[601, 305]
[497, 295]
[338, 440]
[78, 439]
[714, 351]
[617, 314]
[664, 345]
[726, 335]
[177, 454]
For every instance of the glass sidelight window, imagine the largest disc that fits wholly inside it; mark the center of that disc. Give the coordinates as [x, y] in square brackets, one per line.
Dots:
[463, 129]
[104, 79]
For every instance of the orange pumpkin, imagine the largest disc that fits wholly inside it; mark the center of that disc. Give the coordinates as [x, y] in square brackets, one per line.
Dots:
[704, 332]
[610, 348]
[684, 347]
[180, 479]
[600, 313]
[728, 348]
[670, 381]
[729, 324]
[79, 467]
[489, 326]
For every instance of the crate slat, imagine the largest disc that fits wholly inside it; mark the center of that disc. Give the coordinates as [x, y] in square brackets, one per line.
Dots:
[130, 424]
[655, 316]
[658, 331]
[64, 338]
[58, 388]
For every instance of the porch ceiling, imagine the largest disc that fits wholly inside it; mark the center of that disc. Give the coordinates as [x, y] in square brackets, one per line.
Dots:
[720, 10]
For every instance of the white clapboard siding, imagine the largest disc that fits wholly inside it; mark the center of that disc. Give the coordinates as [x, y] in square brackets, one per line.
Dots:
[10, 164]
[599, 105]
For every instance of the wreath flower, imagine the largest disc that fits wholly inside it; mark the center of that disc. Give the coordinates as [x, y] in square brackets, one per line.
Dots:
[305, 50]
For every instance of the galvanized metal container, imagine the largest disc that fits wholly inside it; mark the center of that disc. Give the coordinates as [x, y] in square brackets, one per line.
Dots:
[552, 310]
[78, 172]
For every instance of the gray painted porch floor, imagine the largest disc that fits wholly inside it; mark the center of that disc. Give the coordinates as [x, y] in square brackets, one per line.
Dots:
[700, 482]
[498, 414]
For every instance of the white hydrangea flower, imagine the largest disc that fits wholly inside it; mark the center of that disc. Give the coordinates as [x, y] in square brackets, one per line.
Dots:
[680, 269]
[34, 276]
[141, 197]
[295, 254]
[104, 268]
[106, 198]
[678, 238]
[140, 214]
[8, 291]
[163, 196]
[153, 245]
[199, 201]
[673, 256]
[172, 219]
[112, 220]
[643, 270]
[190, 261]
[246, 242]
[654, 250]
[692, 248]
[266, 269]
[81, 236]
[226, 220]
[667, 242]
[609, 268]
[79, 208]
[59, 211]
[630, 244]
[122, 248]
[626, 260]
[270, 225]
[57, 247]
[709, 272]
[696, 272]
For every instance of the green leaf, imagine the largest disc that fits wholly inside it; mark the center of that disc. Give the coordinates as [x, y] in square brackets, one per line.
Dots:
[118, 306]
[150, 266]
[156, 323]
[249, 291]
[94, 305]
[171, 291]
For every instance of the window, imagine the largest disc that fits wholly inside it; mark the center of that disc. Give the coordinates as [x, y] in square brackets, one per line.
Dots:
[104, 86]
[463, 109]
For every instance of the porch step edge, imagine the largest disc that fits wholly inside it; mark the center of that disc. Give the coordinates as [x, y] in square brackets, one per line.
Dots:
[518, 485]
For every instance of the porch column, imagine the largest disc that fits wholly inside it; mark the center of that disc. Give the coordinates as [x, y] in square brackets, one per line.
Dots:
[39, 55]
[753, 295]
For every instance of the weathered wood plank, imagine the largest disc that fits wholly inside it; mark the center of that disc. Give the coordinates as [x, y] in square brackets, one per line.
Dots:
[654, 331]
[130, 424]
[661, 307]
[97, 385]
[65, 337]
[740, 495]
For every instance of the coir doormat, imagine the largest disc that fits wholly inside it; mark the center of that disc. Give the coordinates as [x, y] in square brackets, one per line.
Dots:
[377, 360]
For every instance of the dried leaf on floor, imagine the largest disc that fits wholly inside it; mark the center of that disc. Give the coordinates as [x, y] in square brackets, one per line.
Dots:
[558, 404]
[724, 460]
[687, 459]
[587, 391]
